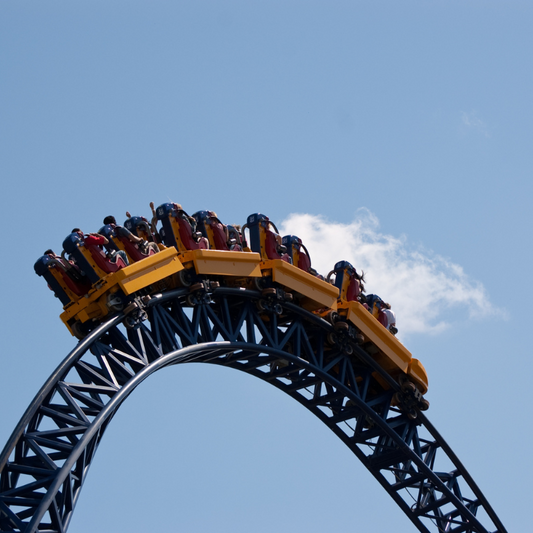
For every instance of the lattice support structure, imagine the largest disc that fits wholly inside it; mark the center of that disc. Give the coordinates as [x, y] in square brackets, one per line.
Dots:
[45, 462]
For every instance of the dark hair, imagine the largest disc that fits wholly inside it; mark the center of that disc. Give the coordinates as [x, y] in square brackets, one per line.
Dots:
[49, 251]
[75, 230]
[110, 220]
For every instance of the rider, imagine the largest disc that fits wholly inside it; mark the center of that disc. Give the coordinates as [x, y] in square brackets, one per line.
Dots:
[382, 311]
[391, 320]
[101, 241]
[144, 246]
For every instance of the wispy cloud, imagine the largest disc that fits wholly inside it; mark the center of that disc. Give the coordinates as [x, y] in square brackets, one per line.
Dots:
[470, 121]
[421, 286]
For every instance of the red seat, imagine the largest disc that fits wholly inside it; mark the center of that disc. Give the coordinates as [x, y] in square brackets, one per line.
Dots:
[77, 287]
[353, 291]
[271, 247]
[133, 250]
[102, 261]
[219, 235]
[187, 237]
[304, 262]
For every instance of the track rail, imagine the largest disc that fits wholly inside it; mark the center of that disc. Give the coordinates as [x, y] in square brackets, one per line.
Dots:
[46, 460]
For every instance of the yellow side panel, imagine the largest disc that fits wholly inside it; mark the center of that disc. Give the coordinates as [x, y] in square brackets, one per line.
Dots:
[224, 262]
[149, 270]
[320, 293]
[93, 310]
[130, 279]
[87, 312]
[418, 375]
[397, 354]
[104, 285]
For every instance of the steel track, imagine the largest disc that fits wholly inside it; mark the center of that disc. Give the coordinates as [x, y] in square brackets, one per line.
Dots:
[45, 462]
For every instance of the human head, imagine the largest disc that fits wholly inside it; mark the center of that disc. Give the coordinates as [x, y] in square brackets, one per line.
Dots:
[49, 252]
[110, 220]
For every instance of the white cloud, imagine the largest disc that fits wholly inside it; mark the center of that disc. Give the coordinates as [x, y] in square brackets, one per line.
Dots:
[473, 122]
[420, 285]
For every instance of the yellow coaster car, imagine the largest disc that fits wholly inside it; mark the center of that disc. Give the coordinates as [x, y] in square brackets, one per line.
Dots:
[392, 355]
[110, 292]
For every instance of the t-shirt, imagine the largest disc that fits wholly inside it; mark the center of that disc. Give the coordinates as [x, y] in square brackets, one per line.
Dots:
[391, 317]
[123, 232]
[93, 239]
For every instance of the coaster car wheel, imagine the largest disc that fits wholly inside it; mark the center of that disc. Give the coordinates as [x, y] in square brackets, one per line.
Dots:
[185, 278]
[114, 303]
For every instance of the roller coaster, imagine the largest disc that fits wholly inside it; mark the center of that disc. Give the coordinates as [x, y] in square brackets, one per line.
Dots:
[180, 288]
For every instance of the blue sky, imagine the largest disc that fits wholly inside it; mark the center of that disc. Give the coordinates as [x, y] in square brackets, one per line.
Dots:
[394, 134]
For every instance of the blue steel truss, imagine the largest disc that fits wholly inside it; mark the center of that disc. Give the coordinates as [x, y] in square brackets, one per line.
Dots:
[45, 462]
